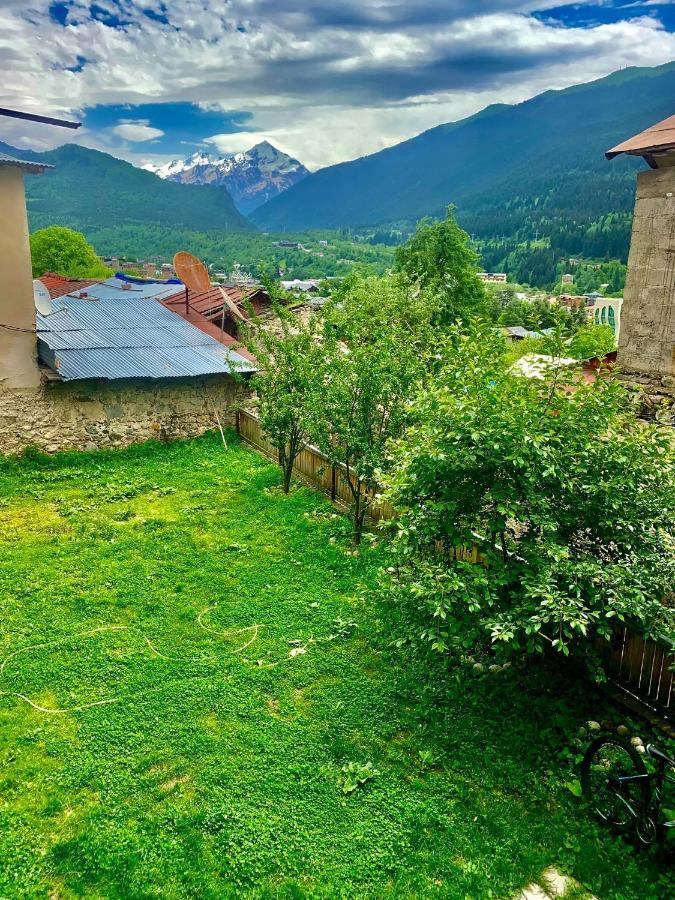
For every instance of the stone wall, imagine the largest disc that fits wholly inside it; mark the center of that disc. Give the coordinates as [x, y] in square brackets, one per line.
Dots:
[89, 415]
[647, 343]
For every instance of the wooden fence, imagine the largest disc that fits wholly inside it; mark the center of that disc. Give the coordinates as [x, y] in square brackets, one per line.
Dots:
[645, 668]
[312, 466]
[642, 667]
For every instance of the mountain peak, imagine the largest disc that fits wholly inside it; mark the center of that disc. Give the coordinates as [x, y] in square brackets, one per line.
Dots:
[251, 177]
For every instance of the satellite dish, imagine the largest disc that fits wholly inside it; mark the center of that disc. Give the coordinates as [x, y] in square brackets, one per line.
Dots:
[42, 298]
[233, 308]
[192, 272]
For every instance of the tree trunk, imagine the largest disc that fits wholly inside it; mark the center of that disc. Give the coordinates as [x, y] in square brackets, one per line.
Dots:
[359, 516]
[288, 474]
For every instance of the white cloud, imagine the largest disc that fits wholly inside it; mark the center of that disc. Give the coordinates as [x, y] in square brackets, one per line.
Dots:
[137, 131]
[324, 81]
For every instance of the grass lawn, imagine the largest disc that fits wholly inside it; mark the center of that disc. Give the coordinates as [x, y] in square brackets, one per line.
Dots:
[238, 660]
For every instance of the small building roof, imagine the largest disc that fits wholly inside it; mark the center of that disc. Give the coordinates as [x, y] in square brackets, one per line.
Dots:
[655, 140]
[518, 331]
[127, 337]
[58, 285]
[30, 166]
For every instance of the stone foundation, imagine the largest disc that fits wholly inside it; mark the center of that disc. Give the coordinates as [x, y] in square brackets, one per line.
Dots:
[90, 415]
[655, 396]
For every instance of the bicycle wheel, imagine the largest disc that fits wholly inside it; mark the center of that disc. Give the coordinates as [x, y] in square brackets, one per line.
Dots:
[613, 779]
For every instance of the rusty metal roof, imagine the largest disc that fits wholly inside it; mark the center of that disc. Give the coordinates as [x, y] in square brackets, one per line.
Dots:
[658, 138]
[58, 285]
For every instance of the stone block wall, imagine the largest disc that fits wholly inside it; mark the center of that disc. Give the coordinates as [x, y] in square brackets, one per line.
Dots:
[90, 415]
[647, 342]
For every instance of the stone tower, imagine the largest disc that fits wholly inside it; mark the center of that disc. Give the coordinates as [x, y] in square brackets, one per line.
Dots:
[647, 341]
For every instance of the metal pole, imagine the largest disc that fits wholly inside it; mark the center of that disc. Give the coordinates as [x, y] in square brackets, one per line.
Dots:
[31, 117]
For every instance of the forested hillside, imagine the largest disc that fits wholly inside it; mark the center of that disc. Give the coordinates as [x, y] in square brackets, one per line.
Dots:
[514, 172]
[88, 190]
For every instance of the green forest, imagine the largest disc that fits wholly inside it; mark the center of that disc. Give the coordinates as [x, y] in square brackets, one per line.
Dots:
[254, 251]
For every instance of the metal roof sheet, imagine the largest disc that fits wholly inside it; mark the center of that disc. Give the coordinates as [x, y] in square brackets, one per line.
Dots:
[147, 362]
[35, 168]
[658, 138]
[117, 288]
[128, 337]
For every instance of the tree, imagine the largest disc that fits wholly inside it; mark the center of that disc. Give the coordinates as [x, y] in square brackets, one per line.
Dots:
[289, 384]
[379, 333]
[439, 258]
[569, 498]
[593, 340]
[64, 252]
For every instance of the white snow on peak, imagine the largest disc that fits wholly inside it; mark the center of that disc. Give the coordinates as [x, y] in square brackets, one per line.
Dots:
[263, 156]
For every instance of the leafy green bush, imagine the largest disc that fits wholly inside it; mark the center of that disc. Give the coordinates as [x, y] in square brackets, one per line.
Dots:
[570, 499]
[593, 340]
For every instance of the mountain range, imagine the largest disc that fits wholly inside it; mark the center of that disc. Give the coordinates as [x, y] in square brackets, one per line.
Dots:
[504, 166]
[251, 178]
[515, 173]
[88, 190]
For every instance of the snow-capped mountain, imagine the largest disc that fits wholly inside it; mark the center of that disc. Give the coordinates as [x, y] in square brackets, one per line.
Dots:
[251, 178]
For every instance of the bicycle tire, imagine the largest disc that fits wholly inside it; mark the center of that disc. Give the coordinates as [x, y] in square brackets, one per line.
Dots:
[637, 793]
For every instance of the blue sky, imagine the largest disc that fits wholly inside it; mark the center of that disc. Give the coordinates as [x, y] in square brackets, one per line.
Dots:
[325, 81]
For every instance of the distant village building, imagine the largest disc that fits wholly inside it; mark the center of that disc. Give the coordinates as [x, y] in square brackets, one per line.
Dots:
[493, 277]
[239, 277]
[607, 311]
[516, 333]
[298, 286]
[568, 279]
[647, 340]
[574, 301]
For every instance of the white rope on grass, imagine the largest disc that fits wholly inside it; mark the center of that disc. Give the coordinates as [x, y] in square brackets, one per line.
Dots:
[230, 632]
[70, 709]
[63, 640]
[104, 628]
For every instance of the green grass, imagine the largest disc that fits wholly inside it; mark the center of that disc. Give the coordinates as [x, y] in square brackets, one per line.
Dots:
[217, 769]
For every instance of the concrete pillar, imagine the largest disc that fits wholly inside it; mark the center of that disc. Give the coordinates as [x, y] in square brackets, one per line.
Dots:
[647, 341]
[18, 349]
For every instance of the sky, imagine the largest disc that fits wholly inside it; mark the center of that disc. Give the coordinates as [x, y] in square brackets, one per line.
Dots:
[324, 80]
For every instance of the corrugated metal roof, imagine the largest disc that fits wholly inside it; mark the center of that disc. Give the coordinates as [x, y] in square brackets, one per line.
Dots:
[35, 168]
[128, 337]
[656, 139]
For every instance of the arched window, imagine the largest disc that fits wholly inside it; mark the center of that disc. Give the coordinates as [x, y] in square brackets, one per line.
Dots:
[603, 316]
[611, 319]
[597, 317]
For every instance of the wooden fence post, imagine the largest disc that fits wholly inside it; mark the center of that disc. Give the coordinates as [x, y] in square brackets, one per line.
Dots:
[333, 484]
[237, 420]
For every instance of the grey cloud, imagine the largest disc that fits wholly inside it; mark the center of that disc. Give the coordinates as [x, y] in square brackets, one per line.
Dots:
[382, 16]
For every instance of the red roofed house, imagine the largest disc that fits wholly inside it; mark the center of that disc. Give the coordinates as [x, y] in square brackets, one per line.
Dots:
[208, 312]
